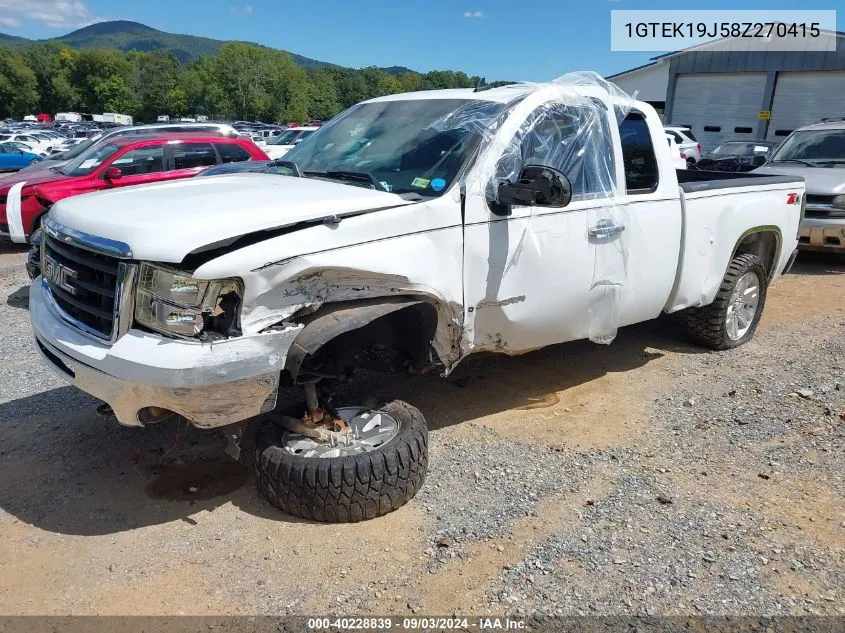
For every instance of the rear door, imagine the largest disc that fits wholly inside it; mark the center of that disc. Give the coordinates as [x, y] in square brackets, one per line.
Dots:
[187, 159]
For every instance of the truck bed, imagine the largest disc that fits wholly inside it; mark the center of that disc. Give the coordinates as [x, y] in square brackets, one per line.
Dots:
[717, 208]
[692, 181]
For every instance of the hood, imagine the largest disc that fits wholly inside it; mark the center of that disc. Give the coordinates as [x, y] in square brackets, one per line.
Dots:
[821, 181]
[32, 177]
[46, 163]
[167, 221]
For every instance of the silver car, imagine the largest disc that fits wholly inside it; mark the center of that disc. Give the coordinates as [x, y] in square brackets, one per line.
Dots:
[817, 152]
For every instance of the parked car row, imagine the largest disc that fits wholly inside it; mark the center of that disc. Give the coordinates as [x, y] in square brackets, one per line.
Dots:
[120, 159]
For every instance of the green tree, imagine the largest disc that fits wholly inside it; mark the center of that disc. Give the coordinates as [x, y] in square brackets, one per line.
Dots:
[177, 102]
[100, 76]
[200, 83]
[323, 91]
[18, 85]
[156, 75]
[52, 62]
[286, 87]
[389, 85]
[242, 75]
[411, 82]
[113, 95]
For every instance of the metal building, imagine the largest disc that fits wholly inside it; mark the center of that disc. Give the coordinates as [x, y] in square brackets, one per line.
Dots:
[729, 90]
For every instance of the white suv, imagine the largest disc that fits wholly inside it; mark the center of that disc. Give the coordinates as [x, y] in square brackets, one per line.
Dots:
[689, 145]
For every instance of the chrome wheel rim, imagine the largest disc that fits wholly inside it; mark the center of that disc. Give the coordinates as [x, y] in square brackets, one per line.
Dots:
[369, 429]
[743, 305]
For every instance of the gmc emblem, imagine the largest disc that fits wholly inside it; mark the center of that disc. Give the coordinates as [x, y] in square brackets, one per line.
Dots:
[57, 274]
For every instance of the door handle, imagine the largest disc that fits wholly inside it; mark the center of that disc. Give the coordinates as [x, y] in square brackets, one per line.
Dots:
[605, 228]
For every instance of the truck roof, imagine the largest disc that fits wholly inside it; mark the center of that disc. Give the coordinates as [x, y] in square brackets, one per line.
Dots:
[506, 94]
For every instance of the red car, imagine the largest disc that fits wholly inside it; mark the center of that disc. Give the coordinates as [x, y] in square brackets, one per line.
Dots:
[119, 162]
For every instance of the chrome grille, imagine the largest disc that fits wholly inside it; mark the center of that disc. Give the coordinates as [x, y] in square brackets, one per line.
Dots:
[88, 282]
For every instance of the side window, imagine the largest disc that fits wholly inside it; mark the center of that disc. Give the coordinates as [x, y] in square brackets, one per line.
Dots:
[573, 139]
[144, 160]
[192, 155]
[677, 137]
[638, 155]
[231, 153]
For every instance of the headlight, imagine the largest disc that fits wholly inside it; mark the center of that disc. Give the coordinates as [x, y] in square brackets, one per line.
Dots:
[174, 303]
[839, 202]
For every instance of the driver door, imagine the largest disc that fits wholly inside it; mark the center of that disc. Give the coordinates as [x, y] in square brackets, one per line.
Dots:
[535, 276]
[138, 166]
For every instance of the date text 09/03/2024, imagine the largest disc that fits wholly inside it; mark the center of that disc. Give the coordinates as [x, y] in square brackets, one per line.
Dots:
[423, 623]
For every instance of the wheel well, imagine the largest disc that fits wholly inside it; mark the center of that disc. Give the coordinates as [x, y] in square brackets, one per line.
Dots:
[765, 244]
[373, 335]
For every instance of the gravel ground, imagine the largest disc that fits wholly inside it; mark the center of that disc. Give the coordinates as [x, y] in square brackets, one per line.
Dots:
[647, 477]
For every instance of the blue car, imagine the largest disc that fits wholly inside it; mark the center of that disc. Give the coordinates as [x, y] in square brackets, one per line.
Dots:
[13, 159]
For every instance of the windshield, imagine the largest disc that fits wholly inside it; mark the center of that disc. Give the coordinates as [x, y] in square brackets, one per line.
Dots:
[88, 161]
[816, 147]
[741, 149]
[78, 149]
[404, 146]
[286, 138]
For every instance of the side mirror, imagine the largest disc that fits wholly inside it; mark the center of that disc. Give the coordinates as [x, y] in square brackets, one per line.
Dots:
[113, 173]
[537, 186]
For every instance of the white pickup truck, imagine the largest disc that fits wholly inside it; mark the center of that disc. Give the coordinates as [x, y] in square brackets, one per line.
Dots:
[413, 229]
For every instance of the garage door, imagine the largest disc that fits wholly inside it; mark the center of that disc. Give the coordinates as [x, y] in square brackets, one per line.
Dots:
[719, 107]
[804, 98]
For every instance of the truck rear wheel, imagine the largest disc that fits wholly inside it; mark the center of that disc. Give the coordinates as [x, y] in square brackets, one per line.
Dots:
[732, 318]
[378, 470]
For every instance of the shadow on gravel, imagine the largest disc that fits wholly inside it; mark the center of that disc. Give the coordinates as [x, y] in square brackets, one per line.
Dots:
[66, 469]
[490, 383]
[811, 263]
[19, 298]
[10, 247]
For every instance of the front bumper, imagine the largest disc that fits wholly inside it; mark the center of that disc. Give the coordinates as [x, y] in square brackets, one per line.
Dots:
[209, 384]
[822, 234]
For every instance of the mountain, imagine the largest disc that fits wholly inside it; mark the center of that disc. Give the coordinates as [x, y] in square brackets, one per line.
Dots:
[127, 36]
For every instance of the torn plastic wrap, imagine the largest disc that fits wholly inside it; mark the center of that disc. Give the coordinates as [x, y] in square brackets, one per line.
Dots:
[564, 124]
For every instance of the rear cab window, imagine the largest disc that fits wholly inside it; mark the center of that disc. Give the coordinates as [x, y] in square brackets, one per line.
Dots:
[638, 158]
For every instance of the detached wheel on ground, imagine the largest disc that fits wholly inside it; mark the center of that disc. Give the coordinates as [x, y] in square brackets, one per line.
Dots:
[730, 321]
[379, 468]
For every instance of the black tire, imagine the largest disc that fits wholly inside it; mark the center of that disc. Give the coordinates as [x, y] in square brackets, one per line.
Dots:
[707, 325]
[345, 489]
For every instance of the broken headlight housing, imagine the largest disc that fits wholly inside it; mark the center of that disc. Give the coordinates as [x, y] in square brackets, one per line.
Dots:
[176, 304]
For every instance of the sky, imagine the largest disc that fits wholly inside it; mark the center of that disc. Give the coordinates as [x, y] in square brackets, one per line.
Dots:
[532, 40]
